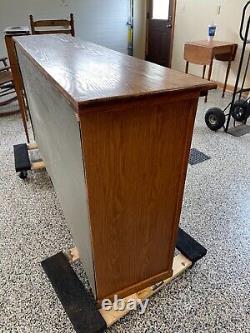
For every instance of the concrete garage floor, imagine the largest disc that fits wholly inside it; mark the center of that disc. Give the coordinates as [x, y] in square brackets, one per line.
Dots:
[211, 297]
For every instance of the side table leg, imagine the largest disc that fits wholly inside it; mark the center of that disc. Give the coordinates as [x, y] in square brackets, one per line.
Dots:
[209, 74]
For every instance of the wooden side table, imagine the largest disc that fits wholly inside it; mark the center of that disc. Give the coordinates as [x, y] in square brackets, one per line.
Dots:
[204, 52]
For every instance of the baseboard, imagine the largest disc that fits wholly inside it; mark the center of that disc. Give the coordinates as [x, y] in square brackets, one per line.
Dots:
[229, 88]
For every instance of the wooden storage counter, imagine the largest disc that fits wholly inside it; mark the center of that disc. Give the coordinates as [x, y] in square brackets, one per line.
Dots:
[115, 134]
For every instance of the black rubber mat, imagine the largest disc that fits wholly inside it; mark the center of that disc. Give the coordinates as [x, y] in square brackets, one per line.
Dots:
[197, 157]
[189, 247]
[75, 299]
[239, 130]
[22, 160]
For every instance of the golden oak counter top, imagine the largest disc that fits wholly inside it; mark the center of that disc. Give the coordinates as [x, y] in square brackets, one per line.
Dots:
[86, 73]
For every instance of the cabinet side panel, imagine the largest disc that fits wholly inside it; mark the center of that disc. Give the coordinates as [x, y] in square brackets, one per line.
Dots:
[136, 161]
[57, 134]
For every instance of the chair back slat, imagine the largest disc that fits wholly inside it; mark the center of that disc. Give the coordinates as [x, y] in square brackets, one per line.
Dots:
[52, 32]
[52, 23]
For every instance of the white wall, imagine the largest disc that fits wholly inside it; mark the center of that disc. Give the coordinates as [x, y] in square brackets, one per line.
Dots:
[192, 20]
[140, 12]
[101, 21]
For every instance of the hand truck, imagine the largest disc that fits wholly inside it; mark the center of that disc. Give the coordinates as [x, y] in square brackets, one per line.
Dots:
[239, 107]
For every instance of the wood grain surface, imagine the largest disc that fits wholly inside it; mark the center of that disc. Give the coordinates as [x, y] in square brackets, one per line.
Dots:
[87, 73]
[136, 163]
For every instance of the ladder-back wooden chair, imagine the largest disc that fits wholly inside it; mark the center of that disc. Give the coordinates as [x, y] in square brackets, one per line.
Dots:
[61, 26]
[7, 89]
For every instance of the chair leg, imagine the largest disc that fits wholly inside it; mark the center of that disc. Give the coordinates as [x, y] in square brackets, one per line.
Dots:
[204, 71]
[26, 106]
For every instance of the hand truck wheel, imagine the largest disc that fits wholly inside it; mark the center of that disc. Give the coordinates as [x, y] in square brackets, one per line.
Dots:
[215, 118]
[240, 110]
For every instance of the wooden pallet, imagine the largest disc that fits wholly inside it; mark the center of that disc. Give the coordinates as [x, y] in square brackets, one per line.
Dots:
[180, 264]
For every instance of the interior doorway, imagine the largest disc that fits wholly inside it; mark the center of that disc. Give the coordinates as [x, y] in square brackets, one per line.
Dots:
[160, 31]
